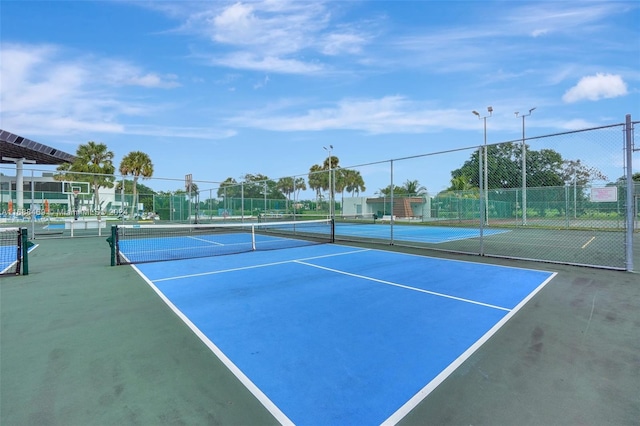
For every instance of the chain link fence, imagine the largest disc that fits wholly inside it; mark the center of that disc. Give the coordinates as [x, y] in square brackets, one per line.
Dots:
[569, 206]
[556, 198]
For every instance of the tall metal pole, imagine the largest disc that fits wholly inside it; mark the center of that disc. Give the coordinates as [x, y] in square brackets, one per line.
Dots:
[330, 182]
[391, 222]
[482, 201]
[524, 169]
[486, 171]
[486, 175]
[630, 202]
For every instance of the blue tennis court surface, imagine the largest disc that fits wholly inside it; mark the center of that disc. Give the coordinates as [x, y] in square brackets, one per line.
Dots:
[424, 234]
[8, 254]
[7, 257]
[338, 335]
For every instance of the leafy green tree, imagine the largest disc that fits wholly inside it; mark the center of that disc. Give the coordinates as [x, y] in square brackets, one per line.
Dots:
[579, 173]
[259, 186]
[460, 183]
[544, 168]
[230, 188]
[145, 194]
[138, 164]
[93, 164]
[621, 183]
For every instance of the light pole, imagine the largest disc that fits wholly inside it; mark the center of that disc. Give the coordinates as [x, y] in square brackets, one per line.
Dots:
[330, 186]
[486, 173]
[524, 169]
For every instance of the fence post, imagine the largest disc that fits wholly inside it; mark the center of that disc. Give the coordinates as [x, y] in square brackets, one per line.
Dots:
[25, 251]
[483, 200]
[112, 240]
[391, 222]
[630, 193]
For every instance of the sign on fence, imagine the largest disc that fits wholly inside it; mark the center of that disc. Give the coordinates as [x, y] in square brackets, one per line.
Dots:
[604, 195]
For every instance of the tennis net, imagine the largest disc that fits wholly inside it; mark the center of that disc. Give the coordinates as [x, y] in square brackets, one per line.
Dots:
[11, 250]
[152, 243]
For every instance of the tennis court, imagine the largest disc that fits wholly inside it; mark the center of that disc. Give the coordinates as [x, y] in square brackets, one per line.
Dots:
[333, 334]
[575, 246]
[421, 234]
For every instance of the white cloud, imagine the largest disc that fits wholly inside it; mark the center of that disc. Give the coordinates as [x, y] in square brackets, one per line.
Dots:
[236, 24]
[274, 64]
[539, 32]
[389, 114]
[268, 27]
[560, 17]
[596, 87]
[336, 44]
[574, 124]
[45, 90]
[289, 37]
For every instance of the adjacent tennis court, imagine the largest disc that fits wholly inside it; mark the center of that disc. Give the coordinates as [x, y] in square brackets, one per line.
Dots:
[409, 233]
[332, 334]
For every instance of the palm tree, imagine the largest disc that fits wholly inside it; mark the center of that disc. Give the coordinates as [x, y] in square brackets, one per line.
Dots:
[413, 188]
[290, 186]
[353, 182]
[287, 186]
[335, 164]
[93, 164]
[137, 164]
[316, 181]
[299, 185]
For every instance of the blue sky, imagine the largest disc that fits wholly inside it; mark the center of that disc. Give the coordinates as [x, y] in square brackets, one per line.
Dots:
[220, 89]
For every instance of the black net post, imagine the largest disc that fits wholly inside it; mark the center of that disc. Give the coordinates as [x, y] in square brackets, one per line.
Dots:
[333, 230]
[112, 243]
[24, 244]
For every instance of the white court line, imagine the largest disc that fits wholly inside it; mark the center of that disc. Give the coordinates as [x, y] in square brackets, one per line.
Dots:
[425, 391]
[460, 299]
[588, 242]
[260, 396]
[262, 265]
[206, 241]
